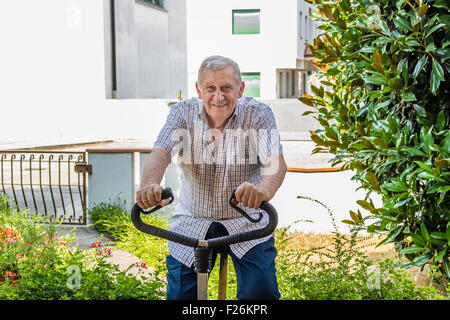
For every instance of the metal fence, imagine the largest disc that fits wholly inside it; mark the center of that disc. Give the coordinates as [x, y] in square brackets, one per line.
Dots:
[51, 183]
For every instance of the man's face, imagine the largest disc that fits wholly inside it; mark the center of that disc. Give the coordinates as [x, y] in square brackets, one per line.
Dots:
[219, 91]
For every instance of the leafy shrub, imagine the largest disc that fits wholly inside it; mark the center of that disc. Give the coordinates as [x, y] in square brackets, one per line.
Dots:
[37, 263]
[114, 221]
[384, 107]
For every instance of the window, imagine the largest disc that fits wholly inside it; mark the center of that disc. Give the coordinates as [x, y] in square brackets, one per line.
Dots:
[158, 3]
[246, 21]
[300, 21]
[252, 84]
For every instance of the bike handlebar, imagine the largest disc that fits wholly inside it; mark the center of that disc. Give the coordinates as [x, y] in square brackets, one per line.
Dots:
[214, 242]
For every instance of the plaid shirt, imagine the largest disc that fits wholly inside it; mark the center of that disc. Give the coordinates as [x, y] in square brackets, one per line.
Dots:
[210, 172]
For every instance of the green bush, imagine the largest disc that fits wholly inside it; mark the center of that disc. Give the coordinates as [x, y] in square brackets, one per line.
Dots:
[114, 221]
[384, 106]
[37, 263]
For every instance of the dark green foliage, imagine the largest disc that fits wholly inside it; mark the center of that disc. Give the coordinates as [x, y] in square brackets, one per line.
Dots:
[384, 107]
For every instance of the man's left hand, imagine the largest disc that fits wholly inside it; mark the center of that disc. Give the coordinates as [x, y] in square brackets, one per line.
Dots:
[250, 195]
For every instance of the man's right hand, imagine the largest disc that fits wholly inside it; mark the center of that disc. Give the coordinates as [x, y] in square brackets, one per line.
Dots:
[150, 196]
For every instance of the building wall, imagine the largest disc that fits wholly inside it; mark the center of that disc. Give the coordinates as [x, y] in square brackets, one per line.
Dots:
[150, 46]
[153, 60]
[209, 32]
[52, 78]
[276, 51]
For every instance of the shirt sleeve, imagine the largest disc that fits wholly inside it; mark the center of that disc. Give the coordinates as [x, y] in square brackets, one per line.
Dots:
[171, 134]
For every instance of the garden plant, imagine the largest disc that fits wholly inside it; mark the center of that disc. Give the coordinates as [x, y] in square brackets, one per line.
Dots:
[38, 263]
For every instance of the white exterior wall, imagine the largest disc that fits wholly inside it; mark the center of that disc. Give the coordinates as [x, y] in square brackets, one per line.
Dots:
[52, 79]
[152, 39]
[274, 48]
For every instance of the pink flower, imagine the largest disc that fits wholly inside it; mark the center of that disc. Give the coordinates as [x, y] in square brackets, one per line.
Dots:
[63, 243]
[96, 244]
[19, 256]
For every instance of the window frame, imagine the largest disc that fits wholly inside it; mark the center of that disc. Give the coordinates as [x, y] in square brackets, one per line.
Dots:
[245, 11]
[248, 74]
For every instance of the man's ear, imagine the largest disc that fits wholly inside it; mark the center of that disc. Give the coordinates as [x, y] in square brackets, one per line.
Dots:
[198, 90]
[241, 89]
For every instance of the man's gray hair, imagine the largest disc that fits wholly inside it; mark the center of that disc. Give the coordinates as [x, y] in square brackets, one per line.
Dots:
[217, 63]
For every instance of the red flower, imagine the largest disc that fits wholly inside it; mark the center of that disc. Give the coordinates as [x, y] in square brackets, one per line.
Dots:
[141, 265]
[10, 274]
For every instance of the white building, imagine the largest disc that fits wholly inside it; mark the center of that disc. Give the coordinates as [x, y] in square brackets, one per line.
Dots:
[145, 48]
[153, 48]
[266, 38]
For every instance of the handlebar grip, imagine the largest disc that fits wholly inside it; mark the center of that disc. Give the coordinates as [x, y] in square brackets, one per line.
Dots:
[158, 232]
[242, 212]
[251, 235]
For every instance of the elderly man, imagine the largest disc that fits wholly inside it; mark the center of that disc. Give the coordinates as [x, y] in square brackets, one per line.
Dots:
[223, 140]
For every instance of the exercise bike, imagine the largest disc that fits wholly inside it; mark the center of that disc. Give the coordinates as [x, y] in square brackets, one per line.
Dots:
[203, 248]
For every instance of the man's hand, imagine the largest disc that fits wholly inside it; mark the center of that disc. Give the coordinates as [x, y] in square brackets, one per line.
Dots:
[250, 195]
[150, 196]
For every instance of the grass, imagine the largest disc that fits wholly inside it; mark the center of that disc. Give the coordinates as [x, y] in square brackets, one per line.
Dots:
[368, 245]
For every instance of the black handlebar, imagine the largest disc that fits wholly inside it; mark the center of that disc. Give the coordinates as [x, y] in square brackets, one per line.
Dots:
[214, 242]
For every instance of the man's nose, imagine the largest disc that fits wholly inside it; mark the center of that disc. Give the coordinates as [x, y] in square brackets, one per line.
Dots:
[218, 95]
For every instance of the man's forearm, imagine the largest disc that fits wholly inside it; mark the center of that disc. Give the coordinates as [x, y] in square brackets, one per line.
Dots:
[273, 175]
[154, 167]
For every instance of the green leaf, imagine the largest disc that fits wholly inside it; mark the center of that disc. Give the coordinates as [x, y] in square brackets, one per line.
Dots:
[395, 187]
[366, 205]
[423, 166]
[419, 66]
[419, 261]
[446, 265]
[424, 232]
[415, 152]
[418, 240]
[440, 121]
[441, 254]
[437, 75]
[434, 29]
[430, 176]
[375, 80]
[438, 235]
[402, 23]
[408, 97]
[437, 70]
[420, 110]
